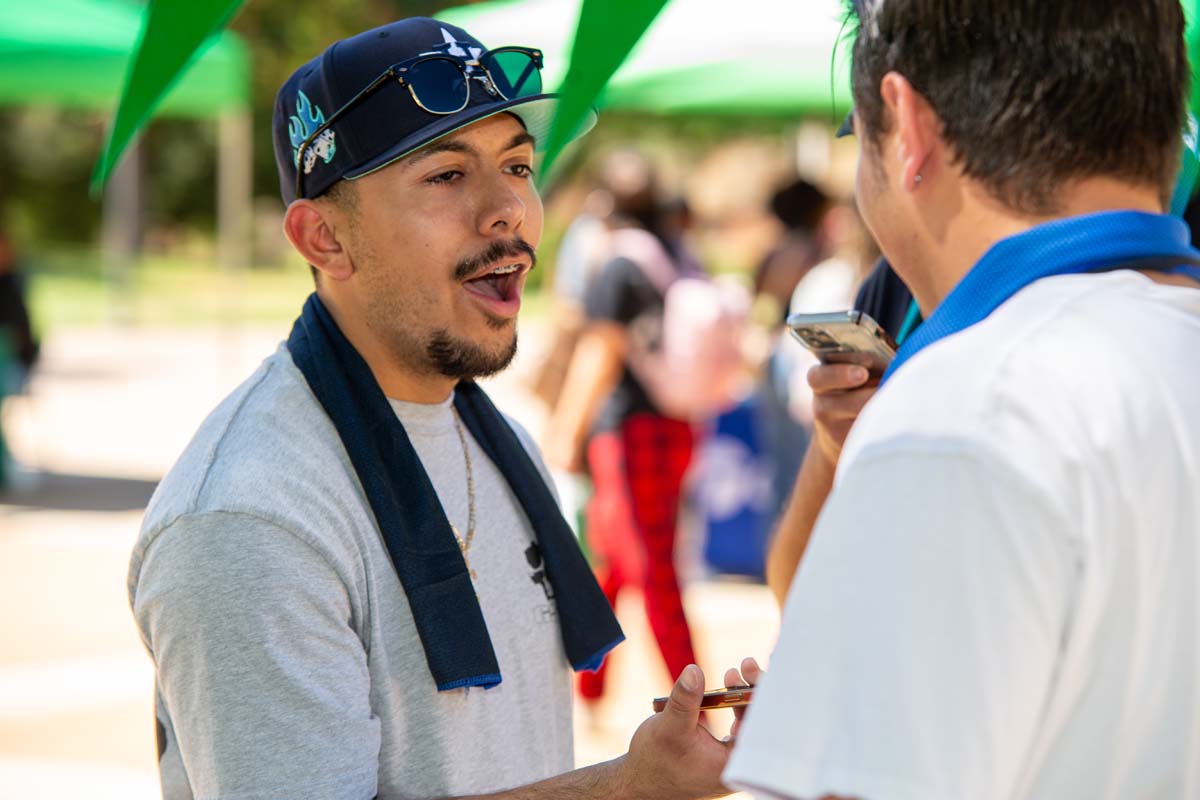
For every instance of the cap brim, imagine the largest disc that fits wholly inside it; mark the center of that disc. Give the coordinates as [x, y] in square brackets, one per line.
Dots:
[847, 126]
[536, 113]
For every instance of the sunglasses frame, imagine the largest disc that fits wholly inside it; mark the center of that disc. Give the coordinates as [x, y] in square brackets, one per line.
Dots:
[397, 71]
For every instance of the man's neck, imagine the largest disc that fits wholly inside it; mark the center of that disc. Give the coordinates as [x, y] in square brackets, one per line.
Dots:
[396, 382]
[982, 221]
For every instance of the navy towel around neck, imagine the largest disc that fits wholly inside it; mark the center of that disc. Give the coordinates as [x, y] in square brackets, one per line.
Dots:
[422, 547]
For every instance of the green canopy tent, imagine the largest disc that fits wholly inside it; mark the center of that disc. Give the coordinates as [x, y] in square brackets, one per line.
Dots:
[763, 58]
[752, 57]
[608, 31]
[76, 53]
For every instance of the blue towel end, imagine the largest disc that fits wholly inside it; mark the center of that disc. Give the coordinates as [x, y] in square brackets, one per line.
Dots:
[486, 681]
[592, 664]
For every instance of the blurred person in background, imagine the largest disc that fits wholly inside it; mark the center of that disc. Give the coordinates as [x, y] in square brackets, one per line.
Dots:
[1000, 598]
[801, 208]
[636, 455]
[18, 345]
[584, 248]
[356, 582]
[850, 254]
[842, 249]
[830, 399]
[581, 253]
[826, 399]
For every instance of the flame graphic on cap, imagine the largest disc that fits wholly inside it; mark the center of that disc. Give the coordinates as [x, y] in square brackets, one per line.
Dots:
[301, 125]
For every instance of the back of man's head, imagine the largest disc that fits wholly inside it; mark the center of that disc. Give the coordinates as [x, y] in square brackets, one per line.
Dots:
[1032, 94]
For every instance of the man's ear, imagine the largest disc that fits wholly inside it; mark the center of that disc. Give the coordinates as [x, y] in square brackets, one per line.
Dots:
[917, 129]
[311, 228]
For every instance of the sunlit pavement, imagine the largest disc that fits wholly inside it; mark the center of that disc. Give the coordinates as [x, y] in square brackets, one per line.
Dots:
[107, 415]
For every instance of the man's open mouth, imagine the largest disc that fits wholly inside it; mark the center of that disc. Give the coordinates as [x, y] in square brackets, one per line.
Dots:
[500, 283]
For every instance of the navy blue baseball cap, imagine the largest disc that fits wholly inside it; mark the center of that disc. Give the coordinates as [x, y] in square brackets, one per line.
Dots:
[388, 123]
[847, 126]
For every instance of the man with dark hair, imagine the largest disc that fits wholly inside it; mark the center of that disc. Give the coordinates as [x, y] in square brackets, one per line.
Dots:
[1000, 597]
[356, 582]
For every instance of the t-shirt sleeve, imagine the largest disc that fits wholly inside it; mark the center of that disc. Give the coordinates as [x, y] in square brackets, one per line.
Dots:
[619, 292]
[257, 663]
[919, 640]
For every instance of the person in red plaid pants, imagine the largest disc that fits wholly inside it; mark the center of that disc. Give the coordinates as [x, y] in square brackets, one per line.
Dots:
[636, 455]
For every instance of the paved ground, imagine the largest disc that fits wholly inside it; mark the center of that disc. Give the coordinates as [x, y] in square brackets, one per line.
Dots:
[106, 417]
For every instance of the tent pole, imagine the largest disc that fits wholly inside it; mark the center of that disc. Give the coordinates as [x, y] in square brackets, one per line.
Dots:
[234, 203]
[234, 189]
[121, 230]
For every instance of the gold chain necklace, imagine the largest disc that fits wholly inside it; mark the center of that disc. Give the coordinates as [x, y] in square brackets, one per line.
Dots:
[465, 544]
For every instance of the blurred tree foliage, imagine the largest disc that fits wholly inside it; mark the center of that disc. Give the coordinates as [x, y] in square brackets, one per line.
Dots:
[49, 153]
[44, 169]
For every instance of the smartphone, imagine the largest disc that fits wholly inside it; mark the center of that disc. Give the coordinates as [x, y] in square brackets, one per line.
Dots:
[845, 337]
[717, 698]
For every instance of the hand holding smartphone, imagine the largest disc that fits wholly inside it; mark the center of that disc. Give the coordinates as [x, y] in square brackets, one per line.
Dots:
[845, 337]
[717, 698]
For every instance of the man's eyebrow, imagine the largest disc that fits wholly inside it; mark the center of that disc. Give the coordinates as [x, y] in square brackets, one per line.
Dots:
[440, 146]
[524, 137]
[457, 146]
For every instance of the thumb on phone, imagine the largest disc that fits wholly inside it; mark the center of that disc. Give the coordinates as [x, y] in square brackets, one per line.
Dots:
[683, 705]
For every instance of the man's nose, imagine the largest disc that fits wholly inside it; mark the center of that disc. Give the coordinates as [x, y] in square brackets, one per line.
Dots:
[502, 208]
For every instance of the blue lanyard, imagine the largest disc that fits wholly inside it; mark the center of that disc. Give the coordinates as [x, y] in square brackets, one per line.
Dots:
[911, 320]
[1090, 243]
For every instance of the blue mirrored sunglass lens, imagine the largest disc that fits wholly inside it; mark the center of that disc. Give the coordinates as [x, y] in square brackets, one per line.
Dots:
[514, 73]
[439, 84]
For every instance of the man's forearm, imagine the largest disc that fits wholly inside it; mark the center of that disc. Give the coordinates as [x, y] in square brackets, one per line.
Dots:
[813, 485]
[604, 781]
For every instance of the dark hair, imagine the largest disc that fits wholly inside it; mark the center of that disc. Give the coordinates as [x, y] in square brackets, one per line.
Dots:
[1034, 93]
[799, 205]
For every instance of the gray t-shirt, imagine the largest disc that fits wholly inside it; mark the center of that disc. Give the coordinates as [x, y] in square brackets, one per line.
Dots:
[287, 660]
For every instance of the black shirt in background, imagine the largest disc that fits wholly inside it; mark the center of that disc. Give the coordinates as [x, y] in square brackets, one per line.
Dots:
[14, 320]
[621, 293]
[884, 297]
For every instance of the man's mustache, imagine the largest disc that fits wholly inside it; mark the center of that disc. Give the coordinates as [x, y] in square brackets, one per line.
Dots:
[496, 251]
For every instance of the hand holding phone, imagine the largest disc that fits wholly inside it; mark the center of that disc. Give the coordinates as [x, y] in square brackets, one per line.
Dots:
[726, 697]
[845, 337]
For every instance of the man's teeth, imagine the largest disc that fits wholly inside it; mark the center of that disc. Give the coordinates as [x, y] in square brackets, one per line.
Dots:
[510, 269]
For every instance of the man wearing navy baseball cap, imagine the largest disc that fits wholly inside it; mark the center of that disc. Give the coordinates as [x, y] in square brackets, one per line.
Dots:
[356, 582]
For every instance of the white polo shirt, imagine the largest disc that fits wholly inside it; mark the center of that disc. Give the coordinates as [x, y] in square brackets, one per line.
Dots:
[1002, 595]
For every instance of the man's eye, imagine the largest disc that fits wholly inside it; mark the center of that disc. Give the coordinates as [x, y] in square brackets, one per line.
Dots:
[444, 177]
[522, 170]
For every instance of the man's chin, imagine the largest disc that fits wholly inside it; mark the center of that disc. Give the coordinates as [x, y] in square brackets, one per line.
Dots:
[464, 359]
